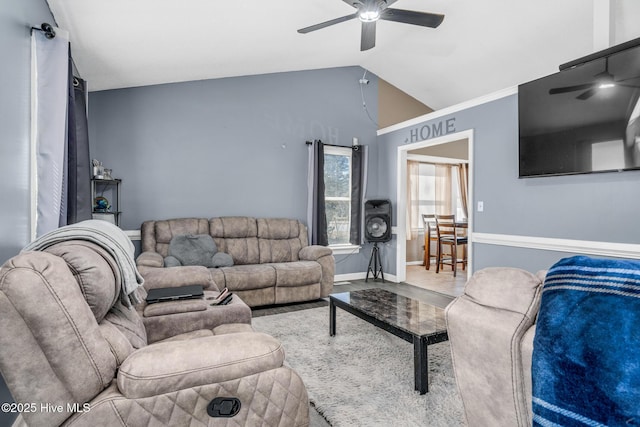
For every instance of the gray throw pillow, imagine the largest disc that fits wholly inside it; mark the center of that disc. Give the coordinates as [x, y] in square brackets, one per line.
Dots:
[222, 259]
[171, 261]
[190, 249]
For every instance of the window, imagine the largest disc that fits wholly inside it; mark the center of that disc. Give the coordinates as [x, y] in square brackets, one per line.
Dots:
[337, 193]
[427, 203]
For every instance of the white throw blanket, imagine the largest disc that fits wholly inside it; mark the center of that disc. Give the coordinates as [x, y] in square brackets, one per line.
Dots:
[108, 236]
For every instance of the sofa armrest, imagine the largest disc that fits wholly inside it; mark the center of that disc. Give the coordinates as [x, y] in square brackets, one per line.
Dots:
[166, 367]
[169, 277]
[323, 256]
[150, 259]
[486, 326]
[510, 289]
[314, 252]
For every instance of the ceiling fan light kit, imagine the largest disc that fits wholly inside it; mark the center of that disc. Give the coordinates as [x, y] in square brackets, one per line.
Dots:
[369, 16]
[370, 11]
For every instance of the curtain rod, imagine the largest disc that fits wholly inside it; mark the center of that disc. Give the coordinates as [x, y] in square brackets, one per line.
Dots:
[47, 29]
[354, 147]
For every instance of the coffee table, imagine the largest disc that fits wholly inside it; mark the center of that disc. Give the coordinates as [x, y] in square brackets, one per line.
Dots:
[414, 321]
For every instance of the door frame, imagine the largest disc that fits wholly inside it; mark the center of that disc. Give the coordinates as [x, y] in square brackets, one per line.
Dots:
[401, 208]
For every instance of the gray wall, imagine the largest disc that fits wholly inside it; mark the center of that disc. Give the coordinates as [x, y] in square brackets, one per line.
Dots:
[599, 207]
[233, 146]
[16, 19]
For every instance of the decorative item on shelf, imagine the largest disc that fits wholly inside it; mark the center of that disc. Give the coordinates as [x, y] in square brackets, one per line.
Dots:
[107, 174]
[101, 204]
[98, 169]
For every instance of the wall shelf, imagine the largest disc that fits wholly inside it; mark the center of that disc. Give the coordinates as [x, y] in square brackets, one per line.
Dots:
[108, 189]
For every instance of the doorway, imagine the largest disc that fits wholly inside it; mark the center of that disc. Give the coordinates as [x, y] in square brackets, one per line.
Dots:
[445, 149]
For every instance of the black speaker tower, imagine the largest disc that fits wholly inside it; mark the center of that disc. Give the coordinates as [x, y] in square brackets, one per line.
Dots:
[377, 228]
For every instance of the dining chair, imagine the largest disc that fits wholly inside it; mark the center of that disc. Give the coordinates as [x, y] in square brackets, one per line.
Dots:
[448, 234]
[430, 235]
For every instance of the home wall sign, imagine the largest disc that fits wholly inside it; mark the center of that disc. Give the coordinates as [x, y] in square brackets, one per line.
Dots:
[431, 130]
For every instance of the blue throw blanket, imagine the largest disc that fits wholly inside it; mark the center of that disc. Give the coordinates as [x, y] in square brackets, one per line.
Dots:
[586, 354]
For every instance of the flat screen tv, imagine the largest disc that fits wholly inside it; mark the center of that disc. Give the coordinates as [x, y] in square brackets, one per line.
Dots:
[583, 119]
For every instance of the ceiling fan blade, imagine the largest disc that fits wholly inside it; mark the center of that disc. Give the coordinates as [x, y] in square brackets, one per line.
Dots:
[431, 20]
[368, 35]
[587, 94]
[327, 23]
[627, 79]
[557, 90]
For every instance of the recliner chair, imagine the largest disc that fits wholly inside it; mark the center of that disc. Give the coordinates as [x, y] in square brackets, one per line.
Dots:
[75, 355]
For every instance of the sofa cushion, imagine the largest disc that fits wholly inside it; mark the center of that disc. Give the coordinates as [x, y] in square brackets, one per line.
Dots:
[191, 249]
[174, 307]
[245, 277]
[233, 227]
[158, 237]
[277, 228]
[242, 250]
[221, 260]
[272, 250]
[300, 273]
[94, 270]
[175, 365]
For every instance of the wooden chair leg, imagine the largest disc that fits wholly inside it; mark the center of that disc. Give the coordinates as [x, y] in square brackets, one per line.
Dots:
[424, 258]
[427, 251]
[454, 259]
[438, 257]
[464, 257]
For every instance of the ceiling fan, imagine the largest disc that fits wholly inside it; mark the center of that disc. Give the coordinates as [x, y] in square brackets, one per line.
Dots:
[603, 80]
[370, 11]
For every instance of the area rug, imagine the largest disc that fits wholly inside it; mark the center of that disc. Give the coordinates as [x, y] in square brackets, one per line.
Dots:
[364, 376]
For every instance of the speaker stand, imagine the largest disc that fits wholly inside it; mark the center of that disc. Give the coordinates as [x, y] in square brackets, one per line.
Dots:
[375, 264]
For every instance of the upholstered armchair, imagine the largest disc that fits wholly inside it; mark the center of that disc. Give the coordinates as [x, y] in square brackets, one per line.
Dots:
[74, 354]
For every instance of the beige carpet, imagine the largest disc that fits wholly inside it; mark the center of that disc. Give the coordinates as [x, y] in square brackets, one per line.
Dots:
[364, 376]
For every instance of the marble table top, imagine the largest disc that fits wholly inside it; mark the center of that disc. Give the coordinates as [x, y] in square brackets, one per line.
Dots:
[408, 314]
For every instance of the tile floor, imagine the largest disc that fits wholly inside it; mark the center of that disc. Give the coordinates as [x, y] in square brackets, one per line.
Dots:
[442, 282]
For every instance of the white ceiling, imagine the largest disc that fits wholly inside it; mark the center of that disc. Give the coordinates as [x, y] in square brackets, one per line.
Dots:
[481, 47]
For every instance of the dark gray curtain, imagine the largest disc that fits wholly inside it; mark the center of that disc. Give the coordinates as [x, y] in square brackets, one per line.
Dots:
[318, 215]
[78, 166]
[358, 169]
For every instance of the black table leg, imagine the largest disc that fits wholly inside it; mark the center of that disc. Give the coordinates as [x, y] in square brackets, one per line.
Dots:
[332, 318]
[420, 364]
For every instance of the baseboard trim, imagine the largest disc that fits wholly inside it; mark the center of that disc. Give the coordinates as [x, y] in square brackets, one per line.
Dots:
[133, 234]
[587, 247]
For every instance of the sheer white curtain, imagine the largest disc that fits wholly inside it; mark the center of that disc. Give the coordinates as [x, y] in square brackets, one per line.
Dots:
[443, 190]
[463, 182]
[413, 197]
[50, 85]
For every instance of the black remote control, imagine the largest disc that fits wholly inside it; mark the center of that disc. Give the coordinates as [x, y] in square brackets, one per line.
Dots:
[227, 299]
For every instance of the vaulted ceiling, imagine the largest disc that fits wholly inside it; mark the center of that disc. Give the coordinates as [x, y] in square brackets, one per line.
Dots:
[481, 47]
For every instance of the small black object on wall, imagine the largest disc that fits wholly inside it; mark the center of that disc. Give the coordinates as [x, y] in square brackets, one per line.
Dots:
[377, 220]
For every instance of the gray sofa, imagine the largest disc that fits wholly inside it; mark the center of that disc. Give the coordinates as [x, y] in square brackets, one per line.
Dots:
[491, 329]
[273, 261]
[68, 343]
